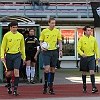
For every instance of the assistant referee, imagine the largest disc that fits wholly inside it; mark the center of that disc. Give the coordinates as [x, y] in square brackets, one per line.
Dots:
[87, 47]
[13, 45]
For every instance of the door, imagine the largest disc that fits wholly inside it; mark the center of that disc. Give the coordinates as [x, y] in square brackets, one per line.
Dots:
[68, 44]
[21, 26]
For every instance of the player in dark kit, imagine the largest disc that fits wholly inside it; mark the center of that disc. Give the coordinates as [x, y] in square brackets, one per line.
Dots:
[32, 50]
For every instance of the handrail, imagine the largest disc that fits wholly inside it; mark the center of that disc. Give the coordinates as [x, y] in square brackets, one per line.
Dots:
[54, 9]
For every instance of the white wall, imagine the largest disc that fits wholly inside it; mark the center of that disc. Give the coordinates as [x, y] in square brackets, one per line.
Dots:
[97, 36]
[68, 64]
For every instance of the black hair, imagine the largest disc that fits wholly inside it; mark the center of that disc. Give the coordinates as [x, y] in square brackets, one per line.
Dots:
[26, 32]
[85, 28]
[13, 23]
[51, 19]
[31, 29]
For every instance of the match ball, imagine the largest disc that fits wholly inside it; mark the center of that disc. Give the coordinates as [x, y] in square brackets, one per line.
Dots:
[45, 46]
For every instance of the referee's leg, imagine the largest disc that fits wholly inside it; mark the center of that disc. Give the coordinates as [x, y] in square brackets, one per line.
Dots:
[52, 69]
[84, 81]
[16, 81]
[92, 74]
[46, 61]
[17, 62]
[9, 72]
[8, 78]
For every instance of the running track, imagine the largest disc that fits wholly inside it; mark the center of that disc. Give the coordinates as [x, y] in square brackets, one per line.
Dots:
[35, 91]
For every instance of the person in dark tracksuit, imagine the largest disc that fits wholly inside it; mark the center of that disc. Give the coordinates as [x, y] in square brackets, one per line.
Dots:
[87, 47]
[32, 50]
[13, 45]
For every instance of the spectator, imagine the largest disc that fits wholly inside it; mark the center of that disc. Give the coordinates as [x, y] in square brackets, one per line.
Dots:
[38, 3]
[45, 3]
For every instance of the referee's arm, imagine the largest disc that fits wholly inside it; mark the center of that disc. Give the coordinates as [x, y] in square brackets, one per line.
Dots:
[79, 47]
[3, 46]
[41, 39]
[96, 49]
[22, 48]
[59, 38]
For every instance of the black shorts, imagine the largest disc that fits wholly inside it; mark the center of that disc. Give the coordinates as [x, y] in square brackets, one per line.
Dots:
[87, 63]
[50, 57]
[13, 61]
[30, 56]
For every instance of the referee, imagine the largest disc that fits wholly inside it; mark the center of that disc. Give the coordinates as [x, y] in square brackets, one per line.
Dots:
[13, 45]
[50, 35]
[87, 47]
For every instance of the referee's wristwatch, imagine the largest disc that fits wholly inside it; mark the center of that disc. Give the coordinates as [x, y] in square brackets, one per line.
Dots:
[60, 50]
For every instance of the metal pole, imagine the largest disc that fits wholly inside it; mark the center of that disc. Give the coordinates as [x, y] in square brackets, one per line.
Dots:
[56, 9]
[24, 9]
[38, 64]
[1, 66]
[87, 9]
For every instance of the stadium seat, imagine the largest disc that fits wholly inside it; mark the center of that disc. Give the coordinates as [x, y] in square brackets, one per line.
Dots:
[20, 11]
[56, 11]
[85, 4]
[73, 11]
[52, 4]
[60, 4]
[11, 11]
[48, 11]
[65, 11]
[68, 4]
[77, 4]
[38, 11]
[29, 11]
[82, 11]
[1, 4]
[90, 11]
[71, 7]
[27, 4]
[3, 11]
[8, 4]
[18, 4]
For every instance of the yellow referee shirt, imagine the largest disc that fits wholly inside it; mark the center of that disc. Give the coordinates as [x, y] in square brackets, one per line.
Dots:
[88, 46]
[13, 43]
[51, 37]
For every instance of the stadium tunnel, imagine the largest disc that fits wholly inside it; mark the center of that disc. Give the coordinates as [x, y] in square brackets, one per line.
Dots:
[24, 24]
[15, 17]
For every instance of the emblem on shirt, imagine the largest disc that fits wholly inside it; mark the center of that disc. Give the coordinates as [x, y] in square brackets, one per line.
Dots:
[10, 40]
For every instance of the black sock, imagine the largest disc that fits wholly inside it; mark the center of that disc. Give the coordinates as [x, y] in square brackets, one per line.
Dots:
[16, 80]
[8, 81]
[93, 80]
[45, 78]
[51, 80]
[84, 80]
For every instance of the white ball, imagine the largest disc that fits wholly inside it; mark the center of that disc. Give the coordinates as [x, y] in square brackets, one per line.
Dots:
[45, 46]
